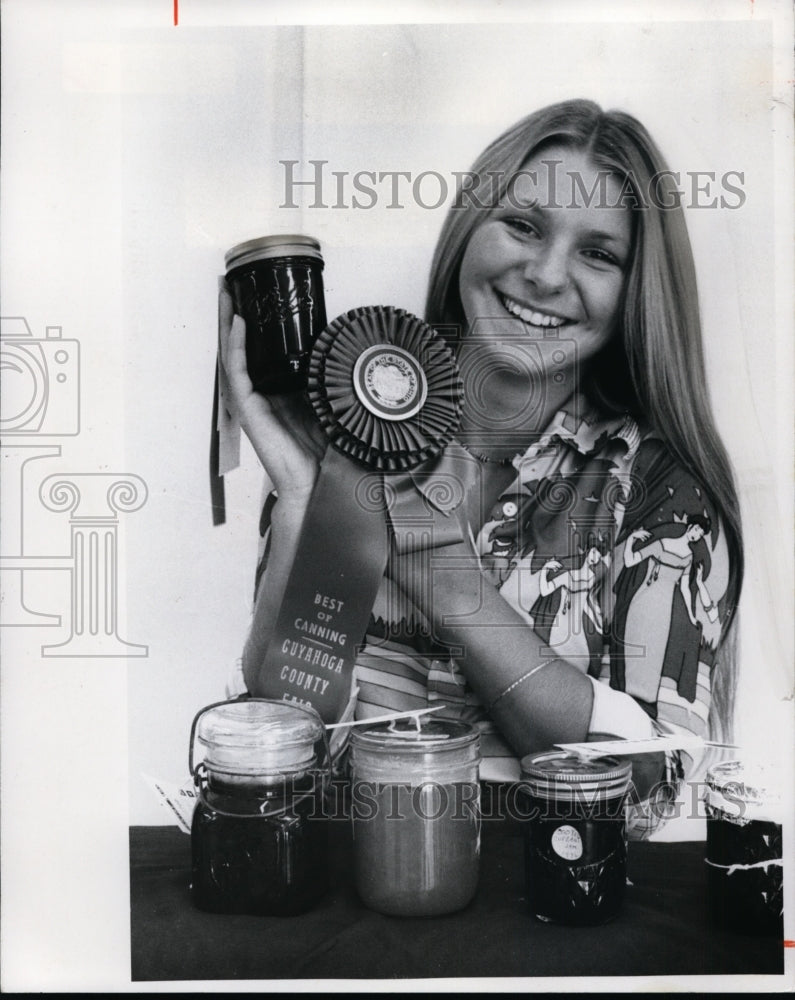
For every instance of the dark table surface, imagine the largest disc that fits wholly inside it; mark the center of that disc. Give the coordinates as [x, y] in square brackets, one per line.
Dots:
[664, 928]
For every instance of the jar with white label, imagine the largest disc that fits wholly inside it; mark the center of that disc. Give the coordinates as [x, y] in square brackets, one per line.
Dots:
[574, 818]
[744, 851]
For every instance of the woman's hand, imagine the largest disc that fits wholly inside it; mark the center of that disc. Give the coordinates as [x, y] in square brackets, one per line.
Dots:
[547, 586]
[282, 428]
[710, 608]
[632, 555]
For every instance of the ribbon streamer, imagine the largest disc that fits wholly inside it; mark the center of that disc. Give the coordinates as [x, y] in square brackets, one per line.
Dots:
[387, 392]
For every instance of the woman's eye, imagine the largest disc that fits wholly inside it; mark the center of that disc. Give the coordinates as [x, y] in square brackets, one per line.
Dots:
[603, 257]
[522, 226]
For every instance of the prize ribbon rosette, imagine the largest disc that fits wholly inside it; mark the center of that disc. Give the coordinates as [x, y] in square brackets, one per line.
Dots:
[386, 389]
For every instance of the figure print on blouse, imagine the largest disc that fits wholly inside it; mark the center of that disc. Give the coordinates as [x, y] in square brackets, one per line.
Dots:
[568, 611]
[673, 556]
[601, 530]
[670, 573]
[502, 531]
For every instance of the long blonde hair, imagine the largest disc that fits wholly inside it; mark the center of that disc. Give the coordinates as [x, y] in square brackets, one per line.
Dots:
[656, 362]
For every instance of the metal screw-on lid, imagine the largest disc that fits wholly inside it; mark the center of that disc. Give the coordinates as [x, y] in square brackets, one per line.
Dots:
[564, 775]
[266, 247]
[258, 738]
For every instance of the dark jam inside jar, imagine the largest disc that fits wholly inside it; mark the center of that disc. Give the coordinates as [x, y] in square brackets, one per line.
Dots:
[259, 851]
[282, 302]
[745, 882]
[575, 859]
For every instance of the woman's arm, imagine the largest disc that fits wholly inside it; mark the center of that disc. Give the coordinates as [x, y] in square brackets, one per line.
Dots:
[710, 607]
[684, 589]
[547, 586]
[634, 556]
[534, 697]
[286, 520]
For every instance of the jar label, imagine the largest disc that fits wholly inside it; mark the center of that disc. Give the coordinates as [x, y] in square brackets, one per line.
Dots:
[567, 843]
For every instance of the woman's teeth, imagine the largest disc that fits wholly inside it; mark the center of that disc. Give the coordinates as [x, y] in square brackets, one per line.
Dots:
[530, 315]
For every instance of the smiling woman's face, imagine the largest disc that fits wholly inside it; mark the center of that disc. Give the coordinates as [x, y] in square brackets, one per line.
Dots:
[554, 262]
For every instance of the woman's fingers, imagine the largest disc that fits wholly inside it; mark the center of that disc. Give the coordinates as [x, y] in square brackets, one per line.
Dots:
[233, 350]
[287, 439]
[226, 309]
[226, 312]
[235, 363]
[295, 414]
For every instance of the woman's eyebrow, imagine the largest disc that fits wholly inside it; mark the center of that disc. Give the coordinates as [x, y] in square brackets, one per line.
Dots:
[520, 205]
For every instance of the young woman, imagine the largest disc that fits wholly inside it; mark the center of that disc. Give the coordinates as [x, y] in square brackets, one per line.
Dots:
[566, 282]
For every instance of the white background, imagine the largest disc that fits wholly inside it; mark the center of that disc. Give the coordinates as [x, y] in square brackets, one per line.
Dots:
[134, 154]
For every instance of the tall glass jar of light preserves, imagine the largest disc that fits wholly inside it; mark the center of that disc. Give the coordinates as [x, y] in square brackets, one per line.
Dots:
[416, 816]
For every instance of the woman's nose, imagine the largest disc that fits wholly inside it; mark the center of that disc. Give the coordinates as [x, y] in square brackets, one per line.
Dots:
[548, 270]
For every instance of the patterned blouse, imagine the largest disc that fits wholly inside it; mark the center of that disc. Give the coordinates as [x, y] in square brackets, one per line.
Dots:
[590, 545]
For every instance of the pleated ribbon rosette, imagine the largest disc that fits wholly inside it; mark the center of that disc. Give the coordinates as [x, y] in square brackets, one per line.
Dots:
[386, 389]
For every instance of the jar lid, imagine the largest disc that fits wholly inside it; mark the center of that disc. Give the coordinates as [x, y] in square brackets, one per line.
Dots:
[743, 790]
[403, 736]
[563, 774]
[265, 247]
[258, 737]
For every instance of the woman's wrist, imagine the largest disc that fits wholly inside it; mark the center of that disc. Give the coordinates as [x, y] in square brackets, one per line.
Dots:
[290, 509]
[549, 703]
[534, 697]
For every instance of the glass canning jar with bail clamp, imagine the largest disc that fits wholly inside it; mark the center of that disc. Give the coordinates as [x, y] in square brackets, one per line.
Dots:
[575, 835]
[259, 837]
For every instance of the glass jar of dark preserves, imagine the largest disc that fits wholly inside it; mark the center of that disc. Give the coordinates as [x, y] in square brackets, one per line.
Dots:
[259, 840]
[276, 283]
[574, 818]
[416, 816]
[744, 852]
